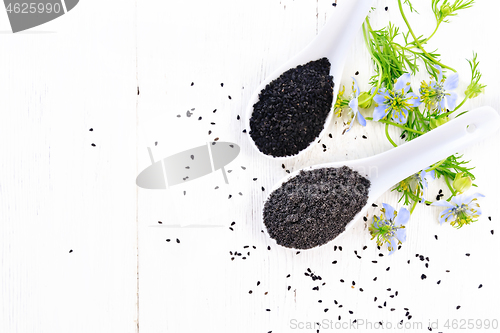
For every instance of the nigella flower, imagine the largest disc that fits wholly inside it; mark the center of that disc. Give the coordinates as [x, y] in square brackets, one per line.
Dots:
[353, 105]
[396, 102]
[463, 210]
[417, 183]
[439, 95]
[389, 227]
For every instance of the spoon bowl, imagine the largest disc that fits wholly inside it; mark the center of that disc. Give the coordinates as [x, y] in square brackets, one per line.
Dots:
[390, 167]
[333, 43]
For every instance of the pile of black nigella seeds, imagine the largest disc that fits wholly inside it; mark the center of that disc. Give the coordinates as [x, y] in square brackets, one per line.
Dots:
[292, 109]
[314, 207]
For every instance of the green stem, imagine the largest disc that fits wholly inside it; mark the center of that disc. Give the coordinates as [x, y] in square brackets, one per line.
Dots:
[453, 192]
[436, 165]
[366, 25]
[388, 136]
[387, 122]
[417, 42]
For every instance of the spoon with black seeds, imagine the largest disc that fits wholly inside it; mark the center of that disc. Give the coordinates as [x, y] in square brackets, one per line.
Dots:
[292, 107]
[314, 205]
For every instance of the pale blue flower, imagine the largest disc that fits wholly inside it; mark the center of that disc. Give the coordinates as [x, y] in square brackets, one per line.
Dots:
[462, 210]
[417, 183]
[389, 227]
[353, 105]
[438, 94]
[396, 102]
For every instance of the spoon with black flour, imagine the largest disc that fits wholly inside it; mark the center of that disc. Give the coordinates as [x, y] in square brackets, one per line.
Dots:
[292, 107]
[313, 206]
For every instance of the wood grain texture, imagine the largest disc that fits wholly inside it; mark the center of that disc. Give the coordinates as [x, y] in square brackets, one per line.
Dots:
[58, 193]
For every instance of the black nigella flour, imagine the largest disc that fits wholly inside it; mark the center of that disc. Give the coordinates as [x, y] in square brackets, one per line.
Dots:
[292, 109]
[314, 207]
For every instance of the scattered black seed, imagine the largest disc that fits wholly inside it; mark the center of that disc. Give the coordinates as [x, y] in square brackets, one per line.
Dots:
[258, 282]
[351, 312]
[209, 132]
[233, 223]
[288, 276]
[238, 117]
[297, 252]
[388, 268]
[436, 236]
[334, 262]
[326, 310]
[91, 130]
[365, 218]
[299, 213]
[375, 278]
[335, 301]
[330, 135]
[289, 287]
[342, 280]
[492, 232]
[335, 5]
[230, 196]
[467, 254]
[228, 96]
[374, 261]
[70, 251]
[200, 118]
[340, 248]
[357, 73]
[489, 218]
[426, 265]
[263, 189]
[249, 291]
[458, 307]
[282, 122]
[244, 131]
[480, 286]
[374, 205]
[168, 239]
[177, 240]
[269, 248]
[439, 282]
[386, 8]
[212, 123]
[361, 289]
[423, 276]
[268, 309]
[364, 137]
[93, 145]
[365, 247]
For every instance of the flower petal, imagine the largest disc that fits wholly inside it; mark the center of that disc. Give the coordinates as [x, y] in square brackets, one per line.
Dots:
[380, 97]
[451, 99]
[353, 104]
[444, 215]
[402, 217]
[451, 82]
[380, 112]
[443, 203]
[401, 235]
[361, 119]
[413, 99]
[355, 87]
[440, 72]
[389, 211]
[403, 83]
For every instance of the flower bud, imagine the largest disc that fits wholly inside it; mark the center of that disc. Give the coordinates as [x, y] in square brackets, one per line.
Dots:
[435, 122]
[462, 183]
[365, 100]
[445, 10]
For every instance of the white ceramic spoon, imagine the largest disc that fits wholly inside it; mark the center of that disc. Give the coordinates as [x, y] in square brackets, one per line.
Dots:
[390, 167]
[332, 42]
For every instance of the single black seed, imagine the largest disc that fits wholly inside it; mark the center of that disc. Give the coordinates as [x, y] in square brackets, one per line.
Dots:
[250, 291]
[458, 307]
[228, 96]
[335, 5]
[357, 73]
[168, 240]
[489, 218]
[192, 84]
[93, 145]
[326, 310]
[480, 286]
[436, 236]
[492, 232]
[269, 248]
[289, 287]
[222, 84]
[288, 276]
[375, 278]
[263, 189]
[91, 130]
[334, 262]
[388, 268]
[320, 301]
[423, 276]
[258, 282]
[364, 137]
[233, 223]
[340, 248]
[330, 135]
[177, 240]
[351, 312]
[374, 261]
[238, 117]
[408, 261]
[439, 282]
[365, 218]
[70, 251]
[386, 8]
[244, 131]
[467, 254]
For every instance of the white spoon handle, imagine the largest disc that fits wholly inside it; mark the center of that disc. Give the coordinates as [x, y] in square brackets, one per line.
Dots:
[396, 164]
